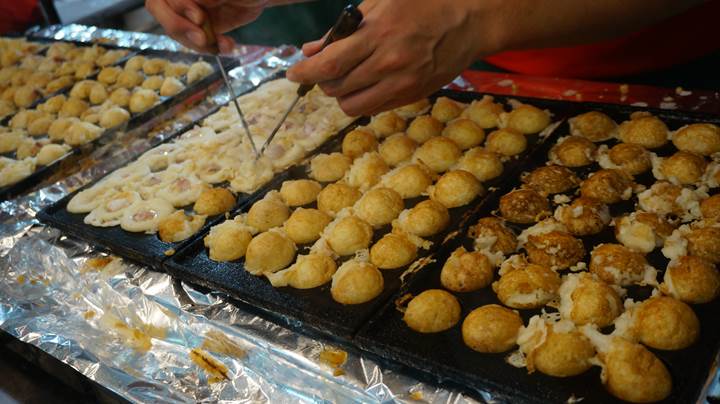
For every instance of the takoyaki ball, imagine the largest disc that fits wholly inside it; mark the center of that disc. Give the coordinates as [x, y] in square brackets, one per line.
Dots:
[431, 311]
[692, 280]
[175, 69]
[631, 372]
[556, 249]
[527, 288]
[82, 132]
[491, 329]
[348, 235]
[366, 171]
[308, 271]
[113, 117]
[53, 104]
[51, 152]
[483, 164]
[98, 94]
[585, 299]
[524, 206]
[397, 149]
[120, 97]
[704, 242]
[335, 197]
[9, 141]
[573, 151]
[379, 206]
[142, 100]
[171, 86]
[666, 323]
[554, 348]
[154, 66]
[491, 233]
[356, 282]
[393, 251]
[198, 71]
[57, 129]
[584, 216]
[91, 115]
[414, 109]
[81, 89]
[305, 225]
[387, 123]
[28, 148]
[58, 84]
[425, 219]
[662, 198]
[466, 271]
[26, 95]
[110, 57]
[214, 201]
[642, 231]
[464, 132]
[84, 70]
[129, 79]
[153, 82]
[40, 126]
[268, 212]
[698, 138]
[329, 167]
[445, 109]
[438, 154]
[423, 128]
[179, 226]
[270, 251]
[526, 119]
[628, 157]
[683, 167]
[551, 179]
[618, 265]
[710, 207]
[109, 75]
[73, 107]
[410, 181]
[24, 118]
[593, 125]
[647, 131]
[456, 188]
[607, 186]
[299, 192]
[145, 216]
[358, 142]
[506, 142]
[485, 112]
[135, 63]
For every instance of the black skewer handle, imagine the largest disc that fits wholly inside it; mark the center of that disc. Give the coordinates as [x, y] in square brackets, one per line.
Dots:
[346, 24]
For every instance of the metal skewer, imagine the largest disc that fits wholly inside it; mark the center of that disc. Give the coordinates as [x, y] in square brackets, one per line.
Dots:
[346, 24]
[212, 41]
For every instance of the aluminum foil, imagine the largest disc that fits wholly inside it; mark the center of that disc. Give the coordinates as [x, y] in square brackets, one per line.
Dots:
[148, 337]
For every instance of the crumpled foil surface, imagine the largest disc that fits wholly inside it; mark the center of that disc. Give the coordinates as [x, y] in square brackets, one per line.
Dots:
[148, 337]
[138, 332]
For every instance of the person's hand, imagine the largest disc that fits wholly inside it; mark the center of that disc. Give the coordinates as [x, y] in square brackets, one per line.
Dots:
[403, 51]
[183, 19]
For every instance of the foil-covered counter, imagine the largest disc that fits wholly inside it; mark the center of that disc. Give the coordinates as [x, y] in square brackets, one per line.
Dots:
[148, 337]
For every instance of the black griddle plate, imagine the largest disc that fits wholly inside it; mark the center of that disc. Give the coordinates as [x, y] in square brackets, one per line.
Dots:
[443, 357]
[144, 248]
[314, 310]
[190, 94]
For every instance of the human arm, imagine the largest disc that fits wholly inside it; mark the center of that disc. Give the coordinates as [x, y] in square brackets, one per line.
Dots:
[406, 49]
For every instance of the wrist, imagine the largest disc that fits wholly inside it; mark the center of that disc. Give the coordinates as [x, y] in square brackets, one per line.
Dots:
[488, 21]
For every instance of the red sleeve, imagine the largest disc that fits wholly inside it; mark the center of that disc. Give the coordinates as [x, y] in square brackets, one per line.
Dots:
[679, 39]
[17, 15]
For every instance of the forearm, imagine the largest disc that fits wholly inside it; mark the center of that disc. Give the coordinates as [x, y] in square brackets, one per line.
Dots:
[522, 24]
